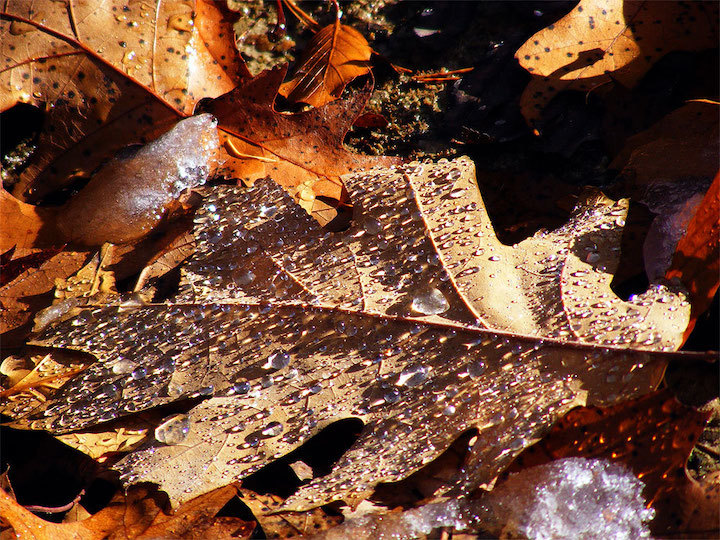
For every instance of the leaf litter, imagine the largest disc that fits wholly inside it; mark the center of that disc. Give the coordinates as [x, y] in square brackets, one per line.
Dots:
[432, 306]
[285, 328]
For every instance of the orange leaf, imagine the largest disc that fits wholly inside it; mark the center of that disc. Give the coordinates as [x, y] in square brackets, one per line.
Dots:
[601, 41]
[108, 76]
[697, 256]
[335, 56]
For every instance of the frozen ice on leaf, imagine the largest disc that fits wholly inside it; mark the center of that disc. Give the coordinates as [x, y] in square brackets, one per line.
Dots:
[129, 196]
[571, 498]
[326, 330]
[567, 498]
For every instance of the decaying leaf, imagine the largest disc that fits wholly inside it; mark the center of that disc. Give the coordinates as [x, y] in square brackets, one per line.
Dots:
[302, 152]
[109, 75]
[31, 290]
[416, 320]
[601, 41]
[139, 514]
[285, 524]
[335, 56]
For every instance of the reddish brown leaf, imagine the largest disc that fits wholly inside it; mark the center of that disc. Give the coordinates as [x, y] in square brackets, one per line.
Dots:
[600, 41]
[24, 225]
[697, 257]
[302, 152]
[681, 145]
[335, 56]
[28, 292]
[108, 76]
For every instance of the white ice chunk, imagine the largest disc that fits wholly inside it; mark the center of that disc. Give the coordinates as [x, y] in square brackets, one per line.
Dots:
[572, 498]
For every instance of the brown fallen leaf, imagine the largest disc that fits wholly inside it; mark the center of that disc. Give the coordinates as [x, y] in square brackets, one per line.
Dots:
[680, 146]
[335, 55]
[601, 41]
[139, 514]
[25, 225]
[668, 167]
[696, 262]
[279, 524]
[303, 152]
[30, 291]
[109, 76]
[415, 320]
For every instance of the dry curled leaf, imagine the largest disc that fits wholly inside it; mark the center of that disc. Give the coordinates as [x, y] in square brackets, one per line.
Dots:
[335, 56]
[109, 75]
[416, 320]
[600, 41]
[278, 524]
[138, 514]
[696, 262]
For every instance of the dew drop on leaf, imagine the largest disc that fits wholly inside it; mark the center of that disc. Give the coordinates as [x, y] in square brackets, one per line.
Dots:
[430, 302]
[277, 360]
[273, 429]
[173, 430]
[412, 376]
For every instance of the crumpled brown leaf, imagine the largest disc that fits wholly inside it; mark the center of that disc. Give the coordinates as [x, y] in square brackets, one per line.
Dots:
[139, 514]
[303, 152]
[286, 328]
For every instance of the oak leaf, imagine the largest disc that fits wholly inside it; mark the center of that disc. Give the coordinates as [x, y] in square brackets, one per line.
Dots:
[416, 320]
[108, 76]
[600, 42]
[335, 56]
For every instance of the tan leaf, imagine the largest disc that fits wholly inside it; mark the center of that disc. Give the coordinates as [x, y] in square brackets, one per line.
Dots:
[600, 41]
[415, 320]
[335, 56]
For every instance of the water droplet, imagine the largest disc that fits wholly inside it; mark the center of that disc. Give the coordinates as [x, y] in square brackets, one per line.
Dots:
[430, 302]
[412, 376]
[139, 373]
[268, 211]
[245, 278]
[241, 388]
[273, 429]
[123, 367]
[173, 430]
[277, 360]
[476, 368]
[372, 225]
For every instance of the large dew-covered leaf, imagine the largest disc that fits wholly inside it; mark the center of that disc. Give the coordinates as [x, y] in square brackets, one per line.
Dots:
[415, 320]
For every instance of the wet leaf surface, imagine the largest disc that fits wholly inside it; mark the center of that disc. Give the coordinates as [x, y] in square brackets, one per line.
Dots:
[384, 322]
